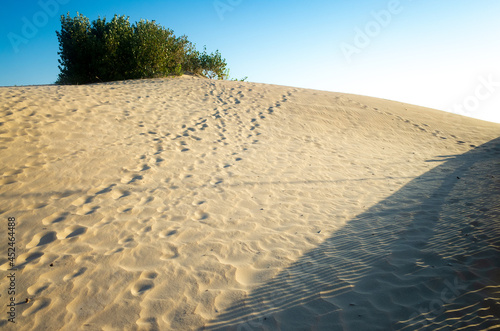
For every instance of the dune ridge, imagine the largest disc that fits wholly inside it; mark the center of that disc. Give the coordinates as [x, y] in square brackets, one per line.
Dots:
[186, 203]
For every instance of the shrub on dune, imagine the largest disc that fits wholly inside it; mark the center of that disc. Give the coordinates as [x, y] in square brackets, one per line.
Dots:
[116, 50]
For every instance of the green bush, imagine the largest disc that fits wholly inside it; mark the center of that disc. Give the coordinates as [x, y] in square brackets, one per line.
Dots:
[105, 51]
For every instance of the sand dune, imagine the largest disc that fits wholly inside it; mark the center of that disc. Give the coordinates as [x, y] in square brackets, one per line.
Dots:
[186, 203]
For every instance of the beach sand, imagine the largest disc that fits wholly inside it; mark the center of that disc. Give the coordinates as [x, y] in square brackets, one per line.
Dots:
[186, 203]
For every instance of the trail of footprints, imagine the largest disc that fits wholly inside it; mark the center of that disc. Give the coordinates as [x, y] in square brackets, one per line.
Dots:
[144, 284]
[189, 134]
[25, 127]
[229, 128]
[212, 127]
[419, 126]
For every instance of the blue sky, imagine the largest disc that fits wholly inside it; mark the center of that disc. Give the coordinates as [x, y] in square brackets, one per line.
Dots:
[439, 54]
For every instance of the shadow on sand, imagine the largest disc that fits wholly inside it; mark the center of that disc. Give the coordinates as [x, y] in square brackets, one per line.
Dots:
[427, 257]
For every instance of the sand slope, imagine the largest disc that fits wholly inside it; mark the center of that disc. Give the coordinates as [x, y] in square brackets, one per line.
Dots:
[185, 203]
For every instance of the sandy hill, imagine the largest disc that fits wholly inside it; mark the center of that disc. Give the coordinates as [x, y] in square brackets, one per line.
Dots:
[186, 203]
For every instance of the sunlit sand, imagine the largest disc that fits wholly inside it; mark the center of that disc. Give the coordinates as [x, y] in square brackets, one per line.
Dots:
[186, 203]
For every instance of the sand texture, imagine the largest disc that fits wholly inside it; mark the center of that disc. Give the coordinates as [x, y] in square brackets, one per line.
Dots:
[187, 203]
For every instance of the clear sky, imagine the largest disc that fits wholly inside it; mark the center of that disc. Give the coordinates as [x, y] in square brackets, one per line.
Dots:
[438, 54]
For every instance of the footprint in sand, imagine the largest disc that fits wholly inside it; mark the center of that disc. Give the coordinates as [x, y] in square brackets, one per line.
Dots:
[38, 304]
[42, 238]
[90, 210]
[119, 194]
[72, 231]
[28, 258]
[36, 290]
[75, 274]
[55, 219]
[86, 209]
[82, 200]
[216, 181]
[200, 215]
[127, 241]
[130, 179]
[106, 189]
[167, 233]
[37, 206]
[144, 284]
[148, 323]
[169, 252]
[125, 209]
[146, 200]
[114, 251]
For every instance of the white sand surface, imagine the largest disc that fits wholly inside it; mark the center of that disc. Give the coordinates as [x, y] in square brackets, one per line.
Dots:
[186, 203]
